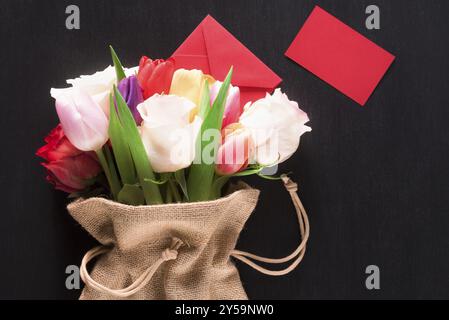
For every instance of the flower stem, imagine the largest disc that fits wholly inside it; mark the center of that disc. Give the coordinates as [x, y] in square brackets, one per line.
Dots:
[109, 170]
[169, 196]
[174, 191]
[217, 186]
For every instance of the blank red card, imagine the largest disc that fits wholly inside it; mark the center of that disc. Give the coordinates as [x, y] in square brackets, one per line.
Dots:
[340, 55]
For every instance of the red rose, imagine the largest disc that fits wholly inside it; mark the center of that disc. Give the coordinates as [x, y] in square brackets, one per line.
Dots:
[68, 168]
[155, 76]
[58, 146]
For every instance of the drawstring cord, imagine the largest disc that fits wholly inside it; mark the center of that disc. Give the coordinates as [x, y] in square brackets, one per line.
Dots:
[298, 254]
[167, 255]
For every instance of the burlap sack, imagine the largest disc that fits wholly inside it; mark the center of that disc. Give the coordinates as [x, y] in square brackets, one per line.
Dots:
[173, 251]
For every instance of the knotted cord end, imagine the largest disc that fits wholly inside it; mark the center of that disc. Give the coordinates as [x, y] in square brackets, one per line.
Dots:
[172, 252]
[169, 254]
[289, 184]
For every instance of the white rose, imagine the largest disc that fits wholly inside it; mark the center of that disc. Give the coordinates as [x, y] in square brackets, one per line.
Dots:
[168, 131]
[276, 124]
[99, 85]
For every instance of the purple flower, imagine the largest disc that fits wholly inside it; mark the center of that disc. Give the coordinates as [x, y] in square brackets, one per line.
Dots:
[132, 93]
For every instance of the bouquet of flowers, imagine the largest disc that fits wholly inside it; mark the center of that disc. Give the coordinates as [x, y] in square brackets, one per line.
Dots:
[147, 152]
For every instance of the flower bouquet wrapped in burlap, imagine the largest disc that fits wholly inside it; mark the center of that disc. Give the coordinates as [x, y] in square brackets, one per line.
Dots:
[147, 153]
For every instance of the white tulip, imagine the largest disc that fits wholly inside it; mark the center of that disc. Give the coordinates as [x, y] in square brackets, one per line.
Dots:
[169, 131]
[276, 124]
[99, 85]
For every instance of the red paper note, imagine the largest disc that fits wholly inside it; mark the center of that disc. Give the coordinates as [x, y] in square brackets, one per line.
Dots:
[212, 49]
[340, 56]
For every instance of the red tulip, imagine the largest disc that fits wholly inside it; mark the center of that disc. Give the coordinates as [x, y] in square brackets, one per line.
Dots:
[155, 76]
[69, 169]
[235, 152]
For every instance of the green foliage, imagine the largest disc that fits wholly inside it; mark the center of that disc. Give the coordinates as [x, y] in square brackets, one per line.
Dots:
[202, 174]
[118, 65]
[137, 149]
[132, 195]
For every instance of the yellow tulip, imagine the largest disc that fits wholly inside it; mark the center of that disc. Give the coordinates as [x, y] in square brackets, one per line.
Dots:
[189, 84]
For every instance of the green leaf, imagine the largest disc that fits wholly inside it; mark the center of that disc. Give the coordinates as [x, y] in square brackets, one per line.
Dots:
[201, 173]
[248, 172]
[169, 196]
[118, 65]
[205, 101]
[107, 163]
[111, 164]
[138, 153]
[217, 186]
[181, 180]
[174, 191]
[120, 147]
[132, 195]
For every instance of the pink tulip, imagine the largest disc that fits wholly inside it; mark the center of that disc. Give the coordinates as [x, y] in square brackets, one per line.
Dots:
[83, 120]
[234, 154]
[233, 108]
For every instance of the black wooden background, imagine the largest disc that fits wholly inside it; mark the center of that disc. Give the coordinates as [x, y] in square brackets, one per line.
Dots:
[374, 179]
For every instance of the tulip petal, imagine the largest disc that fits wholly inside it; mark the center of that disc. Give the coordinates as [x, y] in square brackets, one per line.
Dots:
[233, 108]
[99, 85]
[276, 124]
[234, 153]
[132, 93]
[155, 76]
[188, 84]
[82, 119]
[167, 132]
[166, 109]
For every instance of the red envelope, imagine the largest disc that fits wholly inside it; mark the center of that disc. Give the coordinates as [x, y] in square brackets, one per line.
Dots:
[212, 49]
[340, 56]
